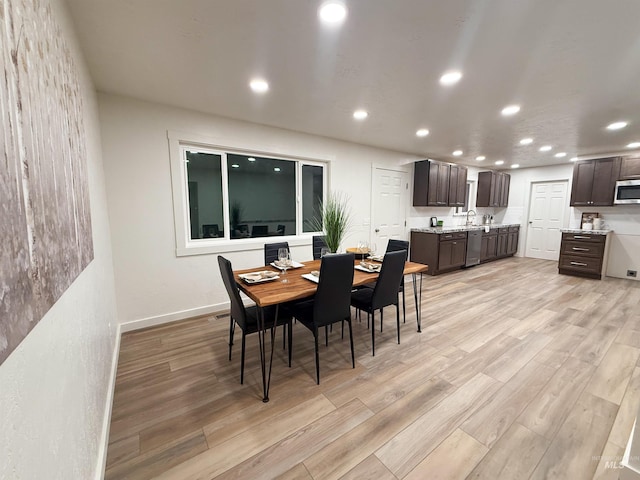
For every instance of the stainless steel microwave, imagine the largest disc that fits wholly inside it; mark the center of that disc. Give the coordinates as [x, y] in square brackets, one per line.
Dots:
[627, 191]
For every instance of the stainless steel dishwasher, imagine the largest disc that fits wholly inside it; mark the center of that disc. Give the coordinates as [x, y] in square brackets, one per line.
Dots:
[474, 245]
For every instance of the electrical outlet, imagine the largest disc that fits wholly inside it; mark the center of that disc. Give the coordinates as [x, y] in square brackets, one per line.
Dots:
[632, 273]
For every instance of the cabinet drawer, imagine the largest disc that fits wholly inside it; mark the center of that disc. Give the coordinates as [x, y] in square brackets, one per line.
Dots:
[579, 248]
[582, 264]
[584, 237]
[453, 236]
[514, 229]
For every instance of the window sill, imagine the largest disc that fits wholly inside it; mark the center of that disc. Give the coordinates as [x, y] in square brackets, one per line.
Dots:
[243, 245]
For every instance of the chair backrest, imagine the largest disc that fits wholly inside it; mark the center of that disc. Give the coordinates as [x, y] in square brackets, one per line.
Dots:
[238, 312]
[259, 230]
[332, 301]
[386, 289]
[271, 251]
[210, 230]
[318, 245]
[396, 245]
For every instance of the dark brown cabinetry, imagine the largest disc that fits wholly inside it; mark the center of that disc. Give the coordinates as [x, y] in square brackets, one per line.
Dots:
[488, 251]
[512, 240]
[441, 251]
[493, 189]
[499, 243]
[438, 184]
[629, 168]
[594, 182]
[457, 186]
[582, 254]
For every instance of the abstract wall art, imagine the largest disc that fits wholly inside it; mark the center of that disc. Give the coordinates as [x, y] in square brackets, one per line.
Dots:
[45, 222]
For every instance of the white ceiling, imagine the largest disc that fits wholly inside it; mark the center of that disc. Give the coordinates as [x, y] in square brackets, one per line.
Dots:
[572, 65]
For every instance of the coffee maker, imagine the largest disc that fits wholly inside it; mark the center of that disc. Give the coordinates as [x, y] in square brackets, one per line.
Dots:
[433, 222]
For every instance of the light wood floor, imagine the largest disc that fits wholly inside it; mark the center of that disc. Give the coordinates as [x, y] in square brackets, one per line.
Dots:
[519, 373]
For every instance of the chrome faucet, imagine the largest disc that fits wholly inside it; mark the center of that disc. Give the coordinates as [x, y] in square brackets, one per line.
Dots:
[470, 222]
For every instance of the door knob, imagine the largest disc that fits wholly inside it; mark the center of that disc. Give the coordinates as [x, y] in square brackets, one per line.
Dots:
[377, 230]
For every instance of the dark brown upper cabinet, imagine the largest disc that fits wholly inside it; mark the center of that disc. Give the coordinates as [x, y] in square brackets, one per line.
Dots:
[629, 168]
[594, 182]
[438, 184]
[457, 186]
[493, 189]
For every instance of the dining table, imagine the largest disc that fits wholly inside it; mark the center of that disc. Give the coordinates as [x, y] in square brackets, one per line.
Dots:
[275, 293]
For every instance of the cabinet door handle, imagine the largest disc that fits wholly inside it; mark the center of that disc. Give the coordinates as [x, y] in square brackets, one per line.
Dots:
[455, 243]
[581, 237]
[579, 264]
[578, 249]
[448, 236]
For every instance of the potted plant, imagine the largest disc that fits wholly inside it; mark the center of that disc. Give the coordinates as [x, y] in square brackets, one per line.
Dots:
[334, 220]
[235, 215]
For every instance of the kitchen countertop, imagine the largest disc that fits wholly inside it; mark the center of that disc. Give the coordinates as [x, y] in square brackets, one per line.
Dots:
[463, 228]
[586, 232]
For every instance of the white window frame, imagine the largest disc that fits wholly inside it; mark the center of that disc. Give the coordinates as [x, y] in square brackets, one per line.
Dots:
[472, 184]
[179, 144]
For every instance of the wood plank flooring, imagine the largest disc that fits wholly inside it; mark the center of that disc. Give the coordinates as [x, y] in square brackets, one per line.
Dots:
[519, 372]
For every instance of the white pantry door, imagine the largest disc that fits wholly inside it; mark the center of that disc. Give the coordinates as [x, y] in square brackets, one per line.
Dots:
[547, 209]
[390, 188]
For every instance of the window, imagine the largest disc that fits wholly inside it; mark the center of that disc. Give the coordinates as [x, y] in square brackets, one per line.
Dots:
[469, 199]
[223, 197]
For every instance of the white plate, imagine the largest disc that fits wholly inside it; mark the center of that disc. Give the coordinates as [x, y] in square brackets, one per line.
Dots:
[364, 269]
[294, 264]
[256, 277]
[313, 278]
[376, 258]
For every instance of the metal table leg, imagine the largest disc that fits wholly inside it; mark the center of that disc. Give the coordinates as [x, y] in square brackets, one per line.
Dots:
[417, 296]
[266, 374]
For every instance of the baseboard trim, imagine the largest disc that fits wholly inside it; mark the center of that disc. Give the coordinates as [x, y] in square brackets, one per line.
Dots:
[172, 317]
[106, 421]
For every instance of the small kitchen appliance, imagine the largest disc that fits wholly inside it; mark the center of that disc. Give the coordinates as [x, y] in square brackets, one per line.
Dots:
[433, 222]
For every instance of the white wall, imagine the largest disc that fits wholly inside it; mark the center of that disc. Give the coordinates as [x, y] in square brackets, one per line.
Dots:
[54, 386]
[151, 282]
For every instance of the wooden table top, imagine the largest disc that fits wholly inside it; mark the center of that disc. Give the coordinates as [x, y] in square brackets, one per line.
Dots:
[274, 292]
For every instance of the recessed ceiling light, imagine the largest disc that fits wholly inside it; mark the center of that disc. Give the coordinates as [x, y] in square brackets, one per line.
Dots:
[634, 145]
[457, 153]
[480, 158]
[560, 155]
[515, 165]
[258, 85]
[360, 114]
[616, 125]
[423, 132]
[235, 165]
[510, 110]
[574, 159]
[276, 169]
[332, 12]
[546, 148]
[450, 78]
[500, 162]
[251, 159]
[526, 141]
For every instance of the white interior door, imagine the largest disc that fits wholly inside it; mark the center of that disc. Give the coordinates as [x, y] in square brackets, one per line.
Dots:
[389, 214]
[547, 209]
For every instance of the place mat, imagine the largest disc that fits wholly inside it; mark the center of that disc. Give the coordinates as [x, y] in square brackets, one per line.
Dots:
[294, 264]
[368, 270]
[259, 277]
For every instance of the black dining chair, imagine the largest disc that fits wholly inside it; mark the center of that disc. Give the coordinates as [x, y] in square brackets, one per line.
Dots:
[318, 244]
[271, 251]
[260, 231]
[384, 293]
[395, 246]
[247, 317]
[331, 301]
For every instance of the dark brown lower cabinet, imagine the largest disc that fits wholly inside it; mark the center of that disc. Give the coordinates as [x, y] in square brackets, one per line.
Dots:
[441, 251]
[489, 246]
[582, 254]
[512, 240]
[503, 238]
